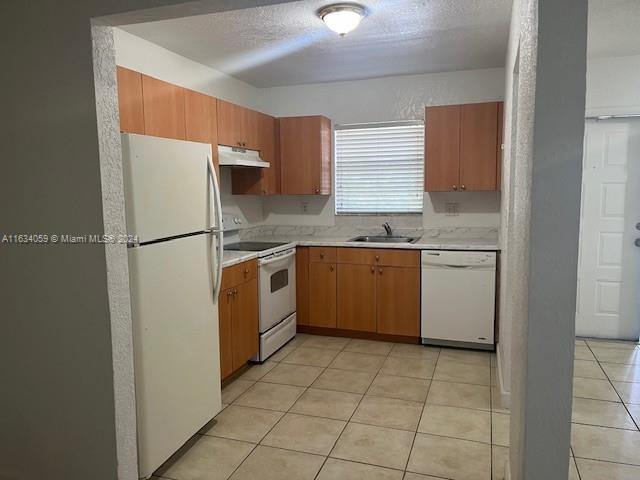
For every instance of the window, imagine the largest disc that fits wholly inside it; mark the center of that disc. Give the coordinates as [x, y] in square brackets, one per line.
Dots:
[379, 168]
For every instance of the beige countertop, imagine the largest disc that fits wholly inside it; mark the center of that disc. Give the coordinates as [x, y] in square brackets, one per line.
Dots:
[425, 243]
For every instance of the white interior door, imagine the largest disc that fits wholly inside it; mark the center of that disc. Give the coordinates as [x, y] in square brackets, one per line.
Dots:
[609, 263]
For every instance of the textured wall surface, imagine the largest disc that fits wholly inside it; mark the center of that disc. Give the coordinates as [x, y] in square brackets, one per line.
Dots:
[59, 401]
[547, 179]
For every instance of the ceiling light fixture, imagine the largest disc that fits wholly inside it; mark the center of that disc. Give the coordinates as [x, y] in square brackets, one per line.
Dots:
[342, 18]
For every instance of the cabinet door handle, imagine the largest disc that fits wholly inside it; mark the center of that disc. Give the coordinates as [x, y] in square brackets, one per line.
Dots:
[331, 269]
[321, 254]
[463, 187]
[380, 270]
[377, 258]
[246, 272]
[373, 269]
[455, 187]
[317, 190]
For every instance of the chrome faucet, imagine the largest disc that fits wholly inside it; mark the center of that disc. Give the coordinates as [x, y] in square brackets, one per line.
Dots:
[387, 228]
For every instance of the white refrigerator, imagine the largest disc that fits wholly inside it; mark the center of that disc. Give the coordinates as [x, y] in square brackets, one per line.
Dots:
[172, 205]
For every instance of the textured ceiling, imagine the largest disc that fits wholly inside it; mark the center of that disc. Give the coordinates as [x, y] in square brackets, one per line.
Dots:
[288, 44]
[614, 28]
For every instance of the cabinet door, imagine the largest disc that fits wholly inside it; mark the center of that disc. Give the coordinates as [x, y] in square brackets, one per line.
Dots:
[478, 144]
[302, 285]
[398, 301]
[197, 117]
[250, 121]
[305, 155]
[260, 181]
[322, 294]
[130, 101]
[226, 345]
[267, 146]
[356, 296]
[229, 124]
[163, 109]
[244, 323]
[442, 148]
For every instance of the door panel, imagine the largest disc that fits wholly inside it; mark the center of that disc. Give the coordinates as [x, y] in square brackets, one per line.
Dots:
[163, 108]
[356, 309]
[398, 301]
[302, 285]
[197, 116]
[478, 140]
[229, 124]
[609, 261]
[322, 294]
[130, 101]
[226, 344]
[442, 148]
[244, 323]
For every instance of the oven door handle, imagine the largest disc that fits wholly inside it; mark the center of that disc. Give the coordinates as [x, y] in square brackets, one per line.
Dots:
[277, 258]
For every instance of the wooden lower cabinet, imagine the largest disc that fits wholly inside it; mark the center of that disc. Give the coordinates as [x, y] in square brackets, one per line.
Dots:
[356, 305]
[322, 294]
[374, 291]
[398, 301]
[226, 342]
[302, 285]
[244, 323]
[238, 317]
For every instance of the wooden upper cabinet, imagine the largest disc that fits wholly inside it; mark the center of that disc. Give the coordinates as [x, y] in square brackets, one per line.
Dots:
[164, 108]
[260, 181]
[442, 148]
[197, 115]
[461, 142]
[305, 155]
[237, 126]
[478, 144]
[130, 101]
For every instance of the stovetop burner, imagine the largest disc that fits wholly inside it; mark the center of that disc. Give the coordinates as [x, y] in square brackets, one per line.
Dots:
[252, 246]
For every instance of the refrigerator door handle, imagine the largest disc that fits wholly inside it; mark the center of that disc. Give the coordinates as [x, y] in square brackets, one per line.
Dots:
[216, 229]
[217, 204]
[216, 263]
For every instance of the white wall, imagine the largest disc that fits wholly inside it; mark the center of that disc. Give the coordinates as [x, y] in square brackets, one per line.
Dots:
[385, 99]
[613, 85]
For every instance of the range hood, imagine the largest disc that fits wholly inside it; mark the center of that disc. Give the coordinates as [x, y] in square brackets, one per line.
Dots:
[240, 157]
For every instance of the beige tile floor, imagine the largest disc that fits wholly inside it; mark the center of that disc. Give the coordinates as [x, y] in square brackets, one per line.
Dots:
[335, 408]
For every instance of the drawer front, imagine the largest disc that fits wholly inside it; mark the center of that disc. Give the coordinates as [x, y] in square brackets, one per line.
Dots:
[237, 274]
[390, 257]
[358, 256]
[322, 254]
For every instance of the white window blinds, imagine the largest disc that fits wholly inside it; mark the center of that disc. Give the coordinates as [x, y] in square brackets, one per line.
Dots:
[379, 168]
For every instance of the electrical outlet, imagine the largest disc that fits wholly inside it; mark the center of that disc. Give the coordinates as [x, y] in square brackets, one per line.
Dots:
[304, 207]
[451, 209]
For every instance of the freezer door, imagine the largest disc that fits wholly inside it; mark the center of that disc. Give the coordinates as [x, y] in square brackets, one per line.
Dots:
[167, 187]
[176, 344]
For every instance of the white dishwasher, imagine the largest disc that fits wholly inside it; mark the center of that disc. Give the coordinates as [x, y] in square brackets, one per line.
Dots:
[458, 298]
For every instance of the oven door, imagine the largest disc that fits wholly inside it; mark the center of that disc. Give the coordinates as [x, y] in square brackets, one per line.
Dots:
[277, 288]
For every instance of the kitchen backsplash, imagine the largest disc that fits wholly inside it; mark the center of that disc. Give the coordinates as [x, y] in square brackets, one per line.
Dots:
[352, 231]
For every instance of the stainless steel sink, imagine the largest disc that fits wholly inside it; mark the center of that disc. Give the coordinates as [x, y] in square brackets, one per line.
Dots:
[384, 239]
